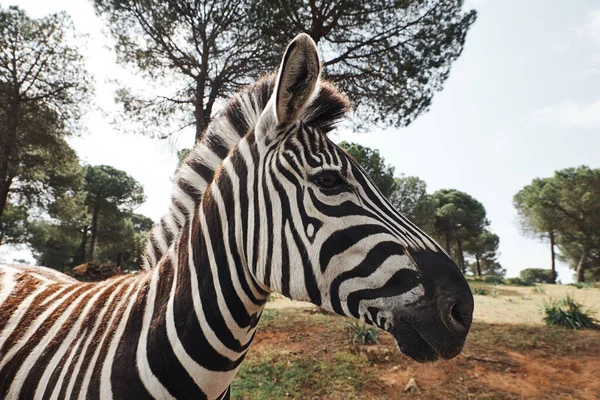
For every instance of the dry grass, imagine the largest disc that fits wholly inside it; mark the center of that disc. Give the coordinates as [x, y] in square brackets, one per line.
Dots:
[523, 305]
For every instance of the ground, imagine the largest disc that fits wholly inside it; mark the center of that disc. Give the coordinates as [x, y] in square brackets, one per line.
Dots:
[302, 354]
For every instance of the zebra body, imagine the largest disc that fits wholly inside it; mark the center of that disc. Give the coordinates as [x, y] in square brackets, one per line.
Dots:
[264, 203]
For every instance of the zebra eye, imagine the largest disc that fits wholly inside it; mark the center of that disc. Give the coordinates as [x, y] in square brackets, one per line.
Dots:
[328, 179]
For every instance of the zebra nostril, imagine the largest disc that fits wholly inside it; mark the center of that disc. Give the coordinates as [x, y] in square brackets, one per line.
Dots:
[453, 314]
[457, 315]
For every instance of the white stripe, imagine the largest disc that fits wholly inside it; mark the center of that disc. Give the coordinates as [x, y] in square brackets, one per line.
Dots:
[91, 334]
[212, 383]
[33, 328]
[36, 352]
[68, 339]
[91, 367]
[150, 381]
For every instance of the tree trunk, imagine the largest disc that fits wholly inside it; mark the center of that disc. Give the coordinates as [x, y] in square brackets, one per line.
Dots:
[201, 125]
[582, 264]
[80, 257]
[448, 242]
[93, 231]
[6, 148]
[553, 255]
[461, 258]
[199, 111]
[478, 265]
[1, 236]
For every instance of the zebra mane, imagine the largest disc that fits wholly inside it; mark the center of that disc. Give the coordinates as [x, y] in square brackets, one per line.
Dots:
[239, 115]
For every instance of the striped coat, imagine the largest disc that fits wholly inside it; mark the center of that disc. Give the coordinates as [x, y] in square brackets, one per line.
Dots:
[266, 202]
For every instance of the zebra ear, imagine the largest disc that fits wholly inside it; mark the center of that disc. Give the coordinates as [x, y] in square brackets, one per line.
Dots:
[297, 79]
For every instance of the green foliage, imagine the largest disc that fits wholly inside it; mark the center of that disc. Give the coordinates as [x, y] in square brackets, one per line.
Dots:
[568, 313]
[108, 187]
[480, 291]
[537, 275]
[99, 216]
[276, 375]
[582, 285]
[567, 206]
[202, 51]
[361, 334]
[518, 282]
[389, 57]
[410, 198]
[44, 89]
[459, 218]
[13, 225]
[109, 193]
[374, 165]
[494, 280]
[483, 248]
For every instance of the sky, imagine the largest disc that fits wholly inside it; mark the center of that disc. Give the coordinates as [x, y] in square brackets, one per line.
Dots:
[522, 101]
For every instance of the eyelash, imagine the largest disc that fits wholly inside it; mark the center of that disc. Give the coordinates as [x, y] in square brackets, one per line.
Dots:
[337, 183]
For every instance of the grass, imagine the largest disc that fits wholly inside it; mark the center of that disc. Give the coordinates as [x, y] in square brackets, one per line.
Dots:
[276, 375]
[361, 334]
[299, 354]
[568, 313]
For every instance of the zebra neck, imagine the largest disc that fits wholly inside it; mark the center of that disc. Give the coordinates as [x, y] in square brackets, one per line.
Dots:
[205, 305]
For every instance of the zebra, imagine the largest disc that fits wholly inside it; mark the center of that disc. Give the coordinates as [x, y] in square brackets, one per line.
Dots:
[265, 203]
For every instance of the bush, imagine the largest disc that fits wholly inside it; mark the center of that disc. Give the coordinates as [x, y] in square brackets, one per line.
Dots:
[493, 280]
[537, 275]
[568, 313]
[481, 291]
[582, 285]
[518, 282]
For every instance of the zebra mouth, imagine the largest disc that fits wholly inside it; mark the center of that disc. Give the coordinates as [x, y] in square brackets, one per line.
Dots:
[412, 344]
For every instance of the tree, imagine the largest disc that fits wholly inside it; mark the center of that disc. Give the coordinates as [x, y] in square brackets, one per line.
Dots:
[95, 224]
[13, 226]
[122, 239]
[458, 218]
[109, 192]
[572, 198]
[388, 56]
[483, 248]
[538, 216]
[43, 92]
[372, 162]
[410, 198]
[202, 50]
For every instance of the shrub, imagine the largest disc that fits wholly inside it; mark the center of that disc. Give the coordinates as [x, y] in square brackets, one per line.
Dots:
[568, 313]
[582, 285]
[538, 290]
[537, 275]
[481, 291]
[361, 334]
[493, 280]
[519, 282]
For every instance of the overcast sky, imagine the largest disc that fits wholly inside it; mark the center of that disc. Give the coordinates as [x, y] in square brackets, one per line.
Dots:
[522, 101]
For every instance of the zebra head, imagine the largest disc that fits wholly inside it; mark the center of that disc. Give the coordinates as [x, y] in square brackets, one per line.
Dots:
[326, 234]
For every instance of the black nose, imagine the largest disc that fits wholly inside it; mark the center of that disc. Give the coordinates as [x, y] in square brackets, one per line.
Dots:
[456, 314]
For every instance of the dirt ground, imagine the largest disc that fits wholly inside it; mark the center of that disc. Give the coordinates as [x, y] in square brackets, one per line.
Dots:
[518, 358]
